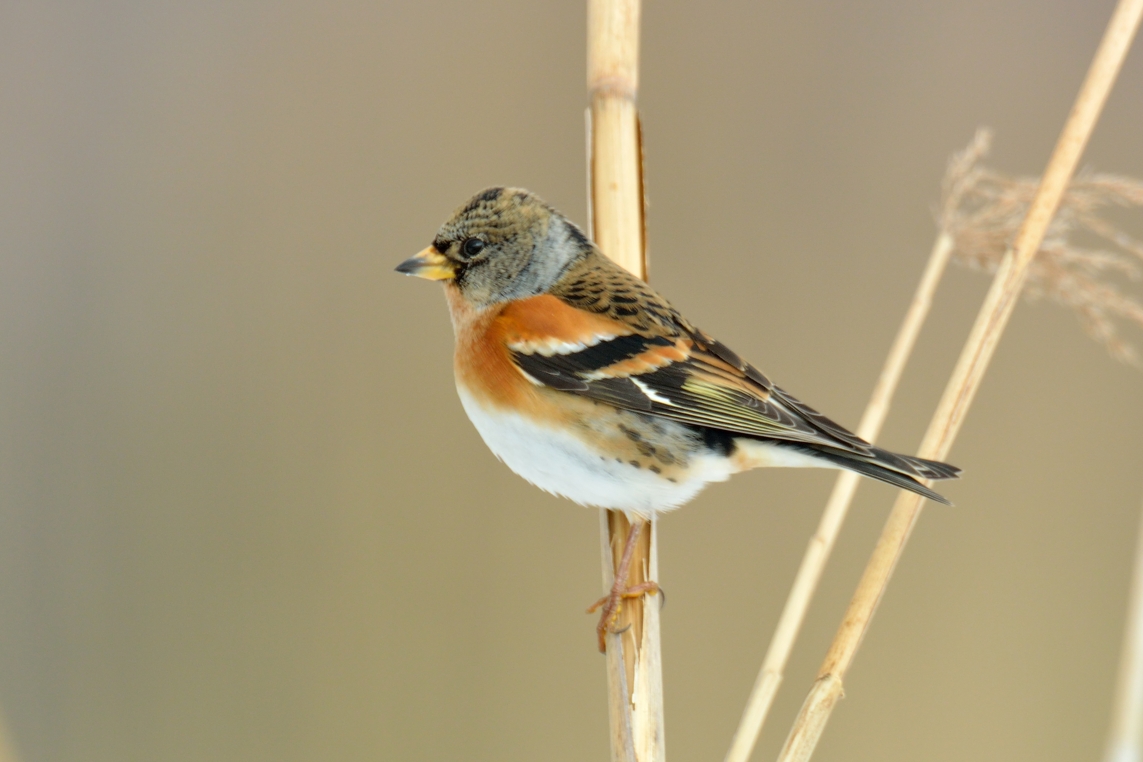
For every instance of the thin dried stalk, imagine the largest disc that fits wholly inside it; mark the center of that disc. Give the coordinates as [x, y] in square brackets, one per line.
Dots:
[7, 750]
[615, 199]
[966, 377]
[1125, 743]
[957, 180]
[980, 214]
[821, 544]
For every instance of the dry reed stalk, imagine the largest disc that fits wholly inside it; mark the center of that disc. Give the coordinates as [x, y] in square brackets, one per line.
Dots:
[7, 750]
[821, 544]
[957, 183]
[1125, 742]
[979, 215]
[615, 200]
[966, 377]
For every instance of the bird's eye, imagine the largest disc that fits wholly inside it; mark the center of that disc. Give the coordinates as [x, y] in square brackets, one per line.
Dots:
[472, 247]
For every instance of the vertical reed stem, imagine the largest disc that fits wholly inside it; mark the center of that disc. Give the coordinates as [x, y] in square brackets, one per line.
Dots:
[966, 377]
[1125, 743]
[615, 199]
[821, 544]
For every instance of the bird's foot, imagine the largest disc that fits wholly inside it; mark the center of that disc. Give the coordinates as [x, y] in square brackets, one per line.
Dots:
[611, 605]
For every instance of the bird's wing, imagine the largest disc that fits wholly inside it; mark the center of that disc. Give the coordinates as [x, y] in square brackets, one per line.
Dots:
[606, 335]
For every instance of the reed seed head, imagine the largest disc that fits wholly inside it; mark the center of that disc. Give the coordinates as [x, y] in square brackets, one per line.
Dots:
[1085, 262]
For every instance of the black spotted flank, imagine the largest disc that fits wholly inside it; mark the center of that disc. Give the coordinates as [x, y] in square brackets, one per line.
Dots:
[722, 442]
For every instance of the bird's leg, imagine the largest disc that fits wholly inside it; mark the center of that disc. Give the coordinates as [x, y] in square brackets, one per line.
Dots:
[612, 603]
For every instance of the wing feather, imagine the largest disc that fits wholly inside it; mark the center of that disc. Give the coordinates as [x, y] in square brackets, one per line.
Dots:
[688, 383]
[604, 334]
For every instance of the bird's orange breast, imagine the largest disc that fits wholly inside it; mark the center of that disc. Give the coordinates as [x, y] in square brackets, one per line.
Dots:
[486, 338]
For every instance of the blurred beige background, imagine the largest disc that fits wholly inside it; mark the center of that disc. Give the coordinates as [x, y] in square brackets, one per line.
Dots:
[243, 516]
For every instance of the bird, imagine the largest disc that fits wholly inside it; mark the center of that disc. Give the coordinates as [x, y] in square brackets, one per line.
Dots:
[589, 384]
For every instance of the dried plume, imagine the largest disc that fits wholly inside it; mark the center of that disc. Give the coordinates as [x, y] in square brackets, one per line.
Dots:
[982, 209]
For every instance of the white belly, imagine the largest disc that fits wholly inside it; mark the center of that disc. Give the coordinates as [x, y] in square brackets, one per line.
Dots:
[560, 463]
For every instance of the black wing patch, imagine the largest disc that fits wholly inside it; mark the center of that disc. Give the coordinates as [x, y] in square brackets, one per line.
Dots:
[692, 391]
[602, 354]
[700, 391]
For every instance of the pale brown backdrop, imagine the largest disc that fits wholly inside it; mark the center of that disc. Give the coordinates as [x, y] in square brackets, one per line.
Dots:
[243, 517]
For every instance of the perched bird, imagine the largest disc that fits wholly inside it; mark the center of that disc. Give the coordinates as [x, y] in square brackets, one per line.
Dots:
[590, 385]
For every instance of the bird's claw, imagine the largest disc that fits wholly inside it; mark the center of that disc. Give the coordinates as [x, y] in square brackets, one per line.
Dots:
[612, 605]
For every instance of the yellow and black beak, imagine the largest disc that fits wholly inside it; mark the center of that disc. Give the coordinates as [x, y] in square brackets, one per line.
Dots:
[429, 264]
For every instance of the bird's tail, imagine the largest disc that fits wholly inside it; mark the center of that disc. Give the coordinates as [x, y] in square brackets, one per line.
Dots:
[902, 471]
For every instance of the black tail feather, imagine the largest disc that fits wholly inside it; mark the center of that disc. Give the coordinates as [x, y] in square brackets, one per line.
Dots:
[888, 475]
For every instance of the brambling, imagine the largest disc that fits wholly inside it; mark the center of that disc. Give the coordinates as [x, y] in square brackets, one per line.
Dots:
[590, 385]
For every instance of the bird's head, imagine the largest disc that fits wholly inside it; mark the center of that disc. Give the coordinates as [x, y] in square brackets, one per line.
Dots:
[504, 244]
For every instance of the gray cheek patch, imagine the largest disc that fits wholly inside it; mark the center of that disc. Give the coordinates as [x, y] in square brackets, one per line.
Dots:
[550, 257]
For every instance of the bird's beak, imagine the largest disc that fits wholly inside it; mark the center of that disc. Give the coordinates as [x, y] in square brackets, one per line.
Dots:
[429, 264]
